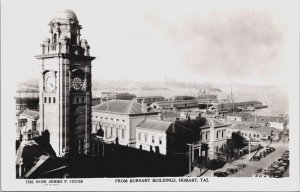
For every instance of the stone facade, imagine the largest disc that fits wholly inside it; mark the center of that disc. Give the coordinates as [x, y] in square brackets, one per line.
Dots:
[65, 86]
[117, 123]
[154, 140]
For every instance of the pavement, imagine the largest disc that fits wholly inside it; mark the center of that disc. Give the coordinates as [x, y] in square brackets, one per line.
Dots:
[251, 166]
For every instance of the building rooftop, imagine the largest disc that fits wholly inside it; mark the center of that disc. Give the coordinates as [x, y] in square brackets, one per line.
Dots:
[178, 102]
[29, 151]
[120, 106]
[141, 97]
[154, 125]
[180, 126]
[260, 119]
[65, 15]
[261, 129]
[30, 114]
[247, 102]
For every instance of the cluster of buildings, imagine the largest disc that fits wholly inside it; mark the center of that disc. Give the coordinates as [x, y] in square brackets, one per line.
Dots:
[138, 126]
[259, 127]
[68, 117]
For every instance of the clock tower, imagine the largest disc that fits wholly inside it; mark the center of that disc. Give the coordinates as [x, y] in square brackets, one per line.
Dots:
[65, 86]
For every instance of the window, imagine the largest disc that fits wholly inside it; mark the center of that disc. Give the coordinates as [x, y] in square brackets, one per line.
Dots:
[207, 134]
[217, 134]
[82, 99]
[117, 119]
[96, 116]
[123, 133]
[49, 99]
[223, 133]
[53, 99]
[111, 119]
[55, 38]
[45, 100]
[153, 139]
[123, 120]
[145, 137]
[245, 134]
[257, 136]
[160, 140]
[139, 136]
[77, 99]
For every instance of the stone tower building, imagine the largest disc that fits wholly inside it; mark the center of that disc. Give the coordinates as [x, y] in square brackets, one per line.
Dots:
[65, 86]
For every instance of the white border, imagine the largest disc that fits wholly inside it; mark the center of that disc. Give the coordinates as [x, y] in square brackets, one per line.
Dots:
[8, 181]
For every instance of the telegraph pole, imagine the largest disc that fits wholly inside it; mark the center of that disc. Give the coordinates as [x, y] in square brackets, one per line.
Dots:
[192, 152]
[190, 159]
[249, 149]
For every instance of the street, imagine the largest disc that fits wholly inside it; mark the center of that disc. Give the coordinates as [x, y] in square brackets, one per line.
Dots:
[252, 166]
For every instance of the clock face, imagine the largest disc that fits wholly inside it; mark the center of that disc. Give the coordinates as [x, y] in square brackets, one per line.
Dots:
[77, 83]
[50, 83]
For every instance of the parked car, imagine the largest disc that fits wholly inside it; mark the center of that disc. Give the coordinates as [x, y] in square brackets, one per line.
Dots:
[220, 174]
[264, 154]
[277, 174]
[256, 158]
[232, 170]
[259, 170]
[242, 165]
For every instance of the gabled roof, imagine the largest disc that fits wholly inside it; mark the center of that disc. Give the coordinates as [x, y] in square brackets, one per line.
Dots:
[29, 151]
[194, 124]
[120, 106]
[260, 129]
[157, 125]
[30, 114]
[215, 123]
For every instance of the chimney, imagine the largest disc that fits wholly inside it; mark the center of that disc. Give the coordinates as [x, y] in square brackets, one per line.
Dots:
[144, 106]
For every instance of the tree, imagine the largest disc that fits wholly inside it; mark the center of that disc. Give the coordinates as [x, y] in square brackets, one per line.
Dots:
[229, 150]
[238, 140]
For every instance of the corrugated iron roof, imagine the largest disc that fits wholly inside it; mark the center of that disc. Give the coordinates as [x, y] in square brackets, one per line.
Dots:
[154, 124]
[120, 106]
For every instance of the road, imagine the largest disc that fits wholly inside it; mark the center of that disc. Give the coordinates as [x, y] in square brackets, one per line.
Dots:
[252, 166]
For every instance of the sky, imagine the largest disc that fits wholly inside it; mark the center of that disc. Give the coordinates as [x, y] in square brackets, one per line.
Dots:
[192, 41]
